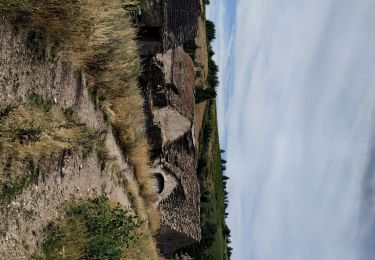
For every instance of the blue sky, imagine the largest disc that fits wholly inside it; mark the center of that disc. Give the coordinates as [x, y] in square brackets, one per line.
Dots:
[296, 116]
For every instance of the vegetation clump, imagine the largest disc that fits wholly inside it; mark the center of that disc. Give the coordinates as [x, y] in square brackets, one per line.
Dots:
[210, 31]
[91, 230]
[190, 48]
[203, 94]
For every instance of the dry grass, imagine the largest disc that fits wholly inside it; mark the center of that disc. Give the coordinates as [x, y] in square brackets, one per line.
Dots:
[118, 93]
[146, 247]
[143, 249]
[201, 55]
[141, 165]
[33, 133]
[115, 83]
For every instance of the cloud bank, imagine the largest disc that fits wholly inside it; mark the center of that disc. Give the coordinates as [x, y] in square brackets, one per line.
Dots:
[296, 106]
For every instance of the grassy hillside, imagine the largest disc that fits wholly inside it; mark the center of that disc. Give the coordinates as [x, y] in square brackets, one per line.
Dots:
[97, 37]
[210, 172]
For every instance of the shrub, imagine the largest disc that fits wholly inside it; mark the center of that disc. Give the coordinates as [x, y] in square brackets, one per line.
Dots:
[37, 101]
[212, 78]
[190, 47]
[208, 234]
[92, 230]
[202, 94]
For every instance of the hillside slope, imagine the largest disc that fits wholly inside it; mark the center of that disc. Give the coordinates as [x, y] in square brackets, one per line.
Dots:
[62, 135]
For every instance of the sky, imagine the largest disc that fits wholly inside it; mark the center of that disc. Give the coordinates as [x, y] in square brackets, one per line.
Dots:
[296, 107]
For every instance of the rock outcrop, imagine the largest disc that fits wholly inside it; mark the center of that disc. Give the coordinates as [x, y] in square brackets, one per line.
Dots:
[180, 22]
[168, 24]
[168, 84]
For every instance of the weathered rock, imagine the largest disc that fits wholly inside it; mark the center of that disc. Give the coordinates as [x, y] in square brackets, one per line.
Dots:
[170, 77]
[172, 124]
[168, 24]
[180, 22]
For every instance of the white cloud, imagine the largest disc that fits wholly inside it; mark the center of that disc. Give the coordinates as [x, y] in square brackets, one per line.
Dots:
[297, 124]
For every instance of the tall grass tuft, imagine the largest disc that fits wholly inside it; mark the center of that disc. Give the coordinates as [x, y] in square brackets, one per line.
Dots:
[34, 132]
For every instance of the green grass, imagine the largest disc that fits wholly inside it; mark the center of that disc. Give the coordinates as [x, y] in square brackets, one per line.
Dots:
[213, 244]
[91, 230]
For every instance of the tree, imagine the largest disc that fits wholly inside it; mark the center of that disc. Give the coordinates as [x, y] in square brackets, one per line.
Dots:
[210, 30]
[212, 78]
[226, 230]
[202, 94]
[229, 249]
[211, 52]
[208, 234]
[190, 47]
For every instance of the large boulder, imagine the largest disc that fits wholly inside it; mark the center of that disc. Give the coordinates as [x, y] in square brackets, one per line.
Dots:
[172, 124]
